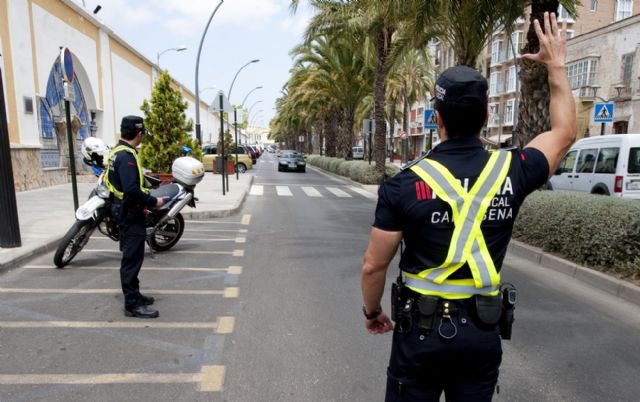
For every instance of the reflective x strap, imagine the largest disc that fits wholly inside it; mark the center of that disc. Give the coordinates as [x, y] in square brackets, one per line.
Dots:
[467, 242]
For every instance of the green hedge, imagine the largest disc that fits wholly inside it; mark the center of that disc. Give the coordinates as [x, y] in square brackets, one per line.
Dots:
[359, 171]
[593, 230]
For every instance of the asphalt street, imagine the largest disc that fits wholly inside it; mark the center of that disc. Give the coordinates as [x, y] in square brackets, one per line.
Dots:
[265, 306]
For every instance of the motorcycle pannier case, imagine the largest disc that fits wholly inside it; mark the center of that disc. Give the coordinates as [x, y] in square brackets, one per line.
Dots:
[187, 171]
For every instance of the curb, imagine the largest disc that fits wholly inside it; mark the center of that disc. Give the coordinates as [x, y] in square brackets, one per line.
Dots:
[617, 287]
[52, 243]
[221, 213]
[342, 178]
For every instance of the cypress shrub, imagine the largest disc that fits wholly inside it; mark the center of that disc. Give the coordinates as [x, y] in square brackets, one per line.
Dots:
[593, 230]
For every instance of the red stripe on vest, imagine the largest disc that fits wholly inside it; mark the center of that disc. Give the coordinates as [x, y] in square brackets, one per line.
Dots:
[427, 191]
[418, 191]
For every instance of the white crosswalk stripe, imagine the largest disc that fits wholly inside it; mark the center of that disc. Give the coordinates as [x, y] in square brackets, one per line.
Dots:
[257, 190]
[283, 191]
[363, 192]
[311, 192]
[338, 193]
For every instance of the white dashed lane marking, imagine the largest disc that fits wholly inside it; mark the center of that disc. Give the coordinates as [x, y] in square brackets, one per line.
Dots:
[338, 193]
[311, 192]
[283, 191]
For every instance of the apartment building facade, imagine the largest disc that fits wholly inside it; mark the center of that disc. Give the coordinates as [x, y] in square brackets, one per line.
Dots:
[500, 67]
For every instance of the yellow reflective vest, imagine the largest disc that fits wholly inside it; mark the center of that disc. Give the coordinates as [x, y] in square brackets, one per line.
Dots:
[117, 193]
[467, 243]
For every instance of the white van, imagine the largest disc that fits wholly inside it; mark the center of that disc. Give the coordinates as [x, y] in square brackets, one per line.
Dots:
[607, 165]
[358, 152]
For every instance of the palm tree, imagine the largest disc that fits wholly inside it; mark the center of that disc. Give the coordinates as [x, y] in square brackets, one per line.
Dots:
[376, 22]
[534, 88]
[409, 80]
[336, 70]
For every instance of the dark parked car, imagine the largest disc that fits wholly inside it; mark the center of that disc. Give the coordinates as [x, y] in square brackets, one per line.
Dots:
[291, 160]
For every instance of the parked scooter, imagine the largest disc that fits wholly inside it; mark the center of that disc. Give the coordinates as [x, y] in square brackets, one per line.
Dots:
[164, 225]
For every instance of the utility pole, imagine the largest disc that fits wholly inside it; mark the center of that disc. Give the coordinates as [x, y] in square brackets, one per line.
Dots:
[9, 225]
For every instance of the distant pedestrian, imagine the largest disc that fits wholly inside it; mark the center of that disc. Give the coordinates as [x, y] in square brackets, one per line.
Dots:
[454, 212]
[125, 180]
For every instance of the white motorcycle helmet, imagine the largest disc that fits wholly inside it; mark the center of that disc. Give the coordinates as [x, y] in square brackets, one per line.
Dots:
[94, 150]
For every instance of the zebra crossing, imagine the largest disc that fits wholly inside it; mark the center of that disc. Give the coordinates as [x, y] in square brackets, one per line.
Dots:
[310, 191]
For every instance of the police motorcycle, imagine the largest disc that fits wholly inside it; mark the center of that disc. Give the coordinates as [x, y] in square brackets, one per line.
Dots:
[164, 225]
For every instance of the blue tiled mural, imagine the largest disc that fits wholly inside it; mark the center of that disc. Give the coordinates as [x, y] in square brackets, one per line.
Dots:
[51, 110]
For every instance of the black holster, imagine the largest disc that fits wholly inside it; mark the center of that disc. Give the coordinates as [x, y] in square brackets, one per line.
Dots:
[492, 310]
[509, 294]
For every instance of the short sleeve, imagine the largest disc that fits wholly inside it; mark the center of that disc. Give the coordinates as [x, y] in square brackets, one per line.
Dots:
[388, 216]
[534, 169]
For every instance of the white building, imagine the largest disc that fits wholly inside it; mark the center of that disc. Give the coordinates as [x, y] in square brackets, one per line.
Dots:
[111, 80]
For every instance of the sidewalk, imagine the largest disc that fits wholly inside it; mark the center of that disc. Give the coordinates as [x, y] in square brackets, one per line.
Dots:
[46, 214]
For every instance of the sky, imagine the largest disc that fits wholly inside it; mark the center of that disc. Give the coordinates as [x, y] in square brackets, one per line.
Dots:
[242, 30]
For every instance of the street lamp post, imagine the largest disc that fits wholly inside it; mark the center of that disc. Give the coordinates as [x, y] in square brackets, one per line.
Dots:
[236, 76]
[198, 134]
[250, 92]
[177, 49]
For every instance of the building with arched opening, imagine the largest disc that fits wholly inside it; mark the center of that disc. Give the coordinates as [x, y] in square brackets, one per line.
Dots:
[111, 80]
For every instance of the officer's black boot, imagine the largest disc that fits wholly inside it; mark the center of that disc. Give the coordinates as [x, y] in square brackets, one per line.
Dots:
[141, 312]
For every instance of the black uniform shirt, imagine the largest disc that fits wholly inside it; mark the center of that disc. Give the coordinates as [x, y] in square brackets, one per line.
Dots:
[125, 177]
[407, 204]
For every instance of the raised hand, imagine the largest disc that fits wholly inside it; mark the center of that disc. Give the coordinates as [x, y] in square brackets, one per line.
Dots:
[553, 42]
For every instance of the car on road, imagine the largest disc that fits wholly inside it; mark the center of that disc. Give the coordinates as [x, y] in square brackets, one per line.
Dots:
[358, 152]
[210, 154]
[291, 160]
[606, 165]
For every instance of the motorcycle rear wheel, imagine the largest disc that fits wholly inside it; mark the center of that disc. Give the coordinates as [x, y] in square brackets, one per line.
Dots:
[73, 242]
[168, 234]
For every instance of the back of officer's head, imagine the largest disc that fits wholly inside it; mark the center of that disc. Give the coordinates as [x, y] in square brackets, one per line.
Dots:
[131, 126]
[461, 99]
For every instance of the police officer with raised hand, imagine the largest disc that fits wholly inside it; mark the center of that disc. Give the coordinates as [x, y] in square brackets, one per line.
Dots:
[454, 211]
[125, 180]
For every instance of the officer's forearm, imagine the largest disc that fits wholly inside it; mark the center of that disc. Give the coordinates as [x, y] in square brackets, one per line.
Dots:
[562, 109]
[372, 281]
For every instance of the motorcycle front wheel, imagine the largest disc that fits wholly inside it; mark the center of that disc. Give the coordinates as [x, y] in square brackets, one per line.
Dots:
[73, 242]
[167, 235]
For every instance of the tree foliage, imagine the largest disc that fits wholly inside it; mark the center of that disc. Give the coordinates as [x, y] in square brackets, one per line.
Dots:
[164, 117]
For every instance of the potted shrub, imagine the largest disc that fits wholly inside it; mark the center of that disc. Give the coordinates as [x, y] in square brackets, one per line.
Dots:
[165, 118]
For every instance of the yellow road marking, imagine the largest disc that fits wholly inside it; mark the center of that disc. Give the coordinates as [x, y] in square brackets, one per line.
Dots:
[116, 324]
[118, 268]
[225, 325]
[238, 253]
[235, 270]
[212, 378]
[93, 379]
[231, 292]
[116, 291]
[241, 239]
[171, 252]
[246, 219]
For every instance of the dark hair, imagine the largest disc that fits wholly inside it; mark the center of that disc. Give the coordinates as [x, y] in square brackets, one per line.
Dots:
[128, 134]
[462, 119]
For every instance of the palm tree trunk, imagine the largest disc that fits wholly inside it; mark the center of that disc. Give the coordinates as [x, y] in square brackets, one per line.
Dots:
[332, 134]
[392, 126]
[533, 116]
[382, 49]
[405, 126]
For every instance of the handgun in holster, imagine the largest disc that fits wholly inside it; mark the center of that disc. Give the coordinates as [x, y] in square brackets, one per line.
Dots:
[509, 297]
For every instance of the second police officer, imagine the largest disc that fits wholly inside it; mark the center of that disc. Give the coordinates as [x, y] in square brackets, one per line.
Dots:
[454, 211]
[125, 180]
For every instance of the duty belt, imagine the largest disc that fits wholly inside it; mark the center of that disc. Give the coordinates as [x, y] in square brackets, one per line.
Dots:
[467, 243]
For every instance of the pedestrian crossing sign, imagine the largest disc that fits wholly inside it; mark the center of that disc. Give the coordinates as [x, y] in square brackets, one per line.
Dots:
[603, 112]
[430, 122]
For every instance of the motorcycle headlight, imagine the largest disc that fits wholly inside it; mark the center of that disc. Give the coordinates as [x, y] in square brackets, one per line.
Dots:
[102, 191]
